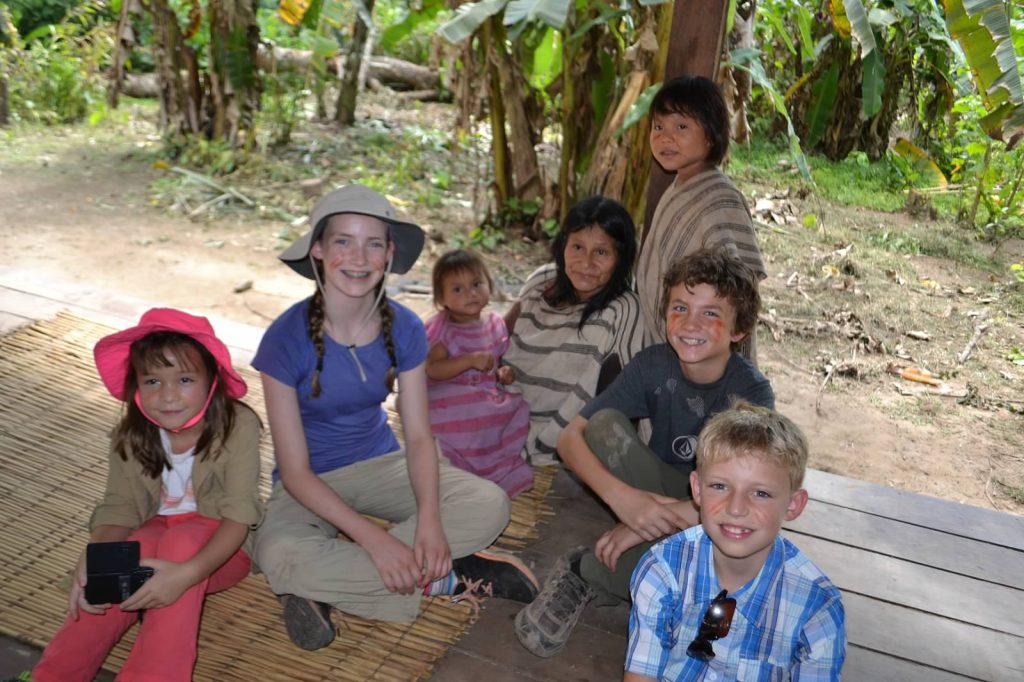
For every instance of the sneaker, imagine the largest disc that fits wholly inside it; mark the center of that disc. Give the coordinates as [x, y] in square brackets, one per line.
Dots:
[499, 575]
[308, 622]
[544, 626]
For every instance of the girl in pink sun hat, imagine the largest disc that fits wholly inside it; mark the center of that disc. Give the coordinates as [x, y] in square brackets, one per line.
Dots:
[182, 482]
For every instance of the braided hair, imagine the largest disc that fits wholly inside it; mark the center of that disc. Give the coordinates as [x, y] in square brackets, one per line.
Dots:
[387, 320]
[316, 335]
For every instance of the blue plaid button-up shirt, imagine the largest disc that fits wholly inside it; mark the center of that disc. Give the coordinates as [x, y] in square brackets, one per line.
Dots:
[788, 625]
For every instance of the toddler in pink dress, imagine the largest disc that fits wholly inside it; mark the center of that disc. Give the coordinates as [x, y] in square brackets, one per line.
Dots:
[481, 427]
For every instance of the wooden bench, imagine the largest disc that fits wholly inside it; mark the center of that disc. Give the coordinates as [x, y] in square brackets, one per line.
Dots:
[933, 590]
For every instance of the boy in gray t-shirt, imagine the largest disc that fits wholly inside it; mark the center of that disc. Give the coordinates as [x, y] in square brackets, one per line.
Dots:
[711, 305]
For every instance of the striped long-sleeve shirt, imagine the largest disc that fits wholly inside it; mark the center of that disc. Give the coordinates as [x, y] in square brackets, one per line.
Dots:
[706, 211]
[557, 366]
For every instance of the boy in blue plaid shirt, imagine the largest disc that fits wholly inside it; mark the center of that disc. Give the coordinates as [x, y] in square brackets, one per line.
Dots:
[730, 599]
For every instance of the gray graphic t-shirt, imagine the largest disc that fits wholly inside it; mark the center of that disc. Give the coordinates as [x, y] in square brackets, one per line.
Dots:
[652, 385]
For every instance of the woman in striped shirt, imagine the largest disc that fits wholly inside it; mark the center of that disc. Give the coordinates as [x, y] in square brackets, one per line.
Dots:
[577, 321]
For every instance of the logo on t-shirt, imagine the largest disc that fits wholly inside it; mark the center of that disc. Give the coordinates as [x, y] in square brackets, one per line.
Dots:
[684, 448]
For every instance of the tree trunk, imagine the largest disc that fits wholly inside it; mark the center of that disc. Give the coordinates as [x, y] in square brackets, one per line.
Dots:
[526, 182]
[736, 82]
[4, 112]
[499, 142]
[169, 57]
[620, 166]
[234, 78]
[345, 111]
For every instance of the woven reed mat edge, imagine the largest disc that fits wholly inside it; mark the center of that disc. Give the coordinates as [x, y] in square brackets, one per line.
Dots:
[55, 419]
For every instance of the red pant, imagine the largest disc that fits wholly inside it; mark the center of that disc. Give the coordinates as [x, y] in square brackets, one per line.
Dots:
[165, 648]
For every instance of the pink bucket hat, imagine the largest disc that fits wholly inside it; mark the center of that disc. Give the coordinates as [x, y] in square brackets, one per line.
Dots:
[113, 352]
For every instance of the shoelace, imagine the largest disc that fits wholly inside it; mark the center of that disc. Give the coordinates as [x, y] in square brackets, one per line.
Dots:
[570, 593]
[472, 593]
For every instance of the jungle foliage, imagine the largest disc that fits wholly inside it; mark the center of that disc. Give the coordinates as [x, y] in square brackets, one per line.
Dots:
[558, 89]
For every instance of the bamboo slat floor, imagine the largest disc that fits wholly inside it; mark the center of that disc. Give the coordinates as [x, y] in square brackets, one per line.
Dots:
[934, 590]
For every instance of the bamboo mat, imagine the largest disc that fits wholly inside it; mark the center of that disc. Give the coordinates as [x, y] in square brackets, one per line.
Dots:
[55, 419]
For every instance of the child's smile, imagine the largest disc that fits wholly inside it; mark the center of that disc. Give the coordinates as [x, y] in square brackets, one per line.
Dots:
[354, 249]
[172, 395]
[699, 325]
[743, 502]
[679, 145]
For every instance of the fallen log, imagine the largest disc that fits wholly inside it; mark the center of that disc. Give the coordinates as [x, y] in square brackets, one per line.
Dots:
[417, 81]
[395, 73]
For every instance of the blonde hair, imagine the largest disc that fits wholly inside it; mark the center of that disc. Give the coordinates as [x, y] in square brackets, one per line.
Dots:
[746, 430]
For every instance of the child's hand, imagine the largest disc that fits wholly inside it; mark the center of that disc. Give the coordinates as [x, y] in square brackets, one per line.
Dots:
[76, 600]
[614, 542]
[482, 360]
[506, 375]
[170, 579]
[396, 563]
[649, 515]
[433, 554]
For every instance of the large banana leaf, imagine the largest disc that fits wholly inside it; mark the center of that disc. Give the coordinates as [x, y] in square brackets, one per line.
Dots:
[850, 18]
[823, 100]
[551, 12]
[982, 28]
[468, 18]
[922, 164]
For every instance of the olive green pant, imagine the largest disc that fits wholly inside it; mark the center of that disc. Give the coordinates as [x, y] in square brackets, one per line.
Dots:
[613, 438]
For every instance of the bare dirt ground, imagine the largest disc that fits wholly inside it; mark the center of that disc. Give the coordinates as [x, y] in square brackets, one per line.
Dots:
[78, 204]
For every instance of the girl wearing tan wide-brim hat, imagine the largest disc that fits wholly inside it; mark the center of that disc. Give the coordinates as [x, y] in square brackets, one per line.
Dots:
[327, 365]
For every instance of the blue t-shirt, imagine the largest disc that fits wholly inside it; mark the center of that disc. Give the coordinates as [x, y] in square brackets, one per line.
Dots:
[346, 423]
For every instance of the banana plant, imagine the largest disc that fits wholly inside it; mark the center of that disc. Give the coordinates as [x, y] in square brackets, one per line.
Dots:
[982, 27]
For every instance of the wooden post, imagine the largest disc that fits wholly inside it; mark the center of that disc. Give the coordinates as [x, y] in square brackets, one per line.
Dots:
[3, 100]
[695, 47]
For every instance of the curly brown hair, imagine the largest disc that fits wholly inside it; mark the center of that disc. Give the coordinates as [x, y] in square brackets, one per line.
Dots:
[727, 275]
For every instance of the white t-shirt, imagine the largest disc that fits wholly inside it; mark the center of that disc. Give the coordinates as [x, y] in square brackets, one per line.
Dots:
[177, 495]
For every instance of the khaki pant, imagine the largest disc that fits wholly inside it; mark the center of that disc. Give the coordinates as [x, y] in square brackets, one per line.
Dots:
[611, 436]
[301, 554]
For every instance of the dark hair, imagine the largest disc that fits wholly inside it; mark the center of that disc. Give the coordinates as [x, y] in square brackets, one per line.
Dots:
[615, 221]
[701, 99]
[459, 260]
[137, 436]
[730, 277]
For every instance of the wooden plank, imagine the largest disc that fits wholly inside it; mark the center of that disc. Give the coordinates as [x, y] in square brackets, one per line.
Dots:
[954, 553]
[986, 525]
[864, 665]
[937, 644]
[926, 589]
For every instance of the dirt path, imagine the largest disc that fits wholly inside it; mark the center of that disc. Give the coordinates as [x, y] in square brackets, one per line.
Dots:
[79, 209]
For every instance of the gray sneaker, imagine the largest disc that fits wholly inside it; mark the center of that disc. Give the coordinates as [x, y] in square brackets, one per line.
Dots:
[308, 622]
[544, 626]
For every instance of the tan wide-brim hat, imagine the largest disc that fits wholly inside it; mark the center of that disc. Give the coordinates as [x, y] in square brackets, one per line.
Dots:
[407, 237]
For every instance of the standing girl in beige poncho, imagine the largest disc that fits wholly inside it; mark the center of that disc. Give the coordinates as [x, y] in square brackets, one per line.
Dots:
[702, 208]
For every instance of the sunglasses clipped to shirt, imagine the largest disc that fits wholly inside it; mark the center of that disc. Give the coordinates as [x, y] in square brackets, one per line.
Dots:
[714, 625]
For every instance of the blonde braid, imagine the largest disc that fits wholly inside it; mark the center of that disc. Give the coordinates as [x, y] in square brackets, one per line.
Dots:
[316, 335]
[387, 320]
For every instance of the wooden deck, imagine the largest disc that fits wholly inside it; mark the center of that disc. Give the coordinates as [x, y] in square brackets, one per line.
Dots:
[934, 590]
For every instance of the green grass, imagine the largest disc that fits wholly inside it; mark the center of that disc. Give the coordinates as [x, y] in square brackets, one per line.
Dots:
[855, 181]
